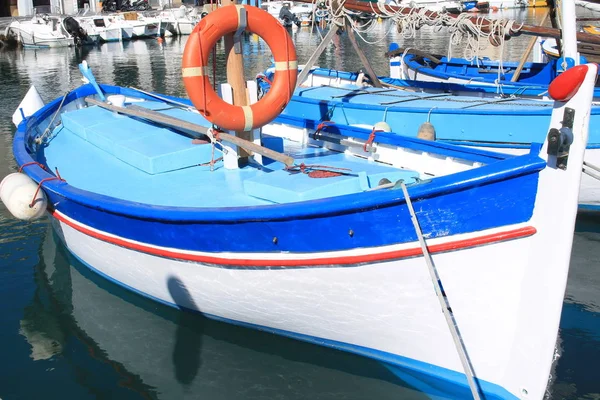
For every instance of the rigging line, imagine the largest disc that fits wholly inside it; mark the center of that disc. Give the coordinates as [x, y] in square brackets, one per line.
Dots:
[443, 299]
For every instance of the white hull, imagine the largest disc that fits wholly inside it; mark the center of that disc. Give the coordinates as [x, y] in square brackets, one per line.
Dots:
[127, 32]
[110, 35]
[588, 4]
[508, 3]
[32, 39]
[396, 297]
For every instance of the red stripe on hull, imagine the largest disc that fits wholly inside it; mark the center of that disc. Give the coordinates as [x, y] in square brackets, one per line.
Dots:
[340, 260]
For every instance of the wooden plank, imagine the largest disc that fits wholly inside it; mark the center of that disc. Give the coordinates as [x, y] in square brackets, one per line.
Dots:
[363, 58]
[317, 53]
[525, 55]
[144, 113]
[235, 77]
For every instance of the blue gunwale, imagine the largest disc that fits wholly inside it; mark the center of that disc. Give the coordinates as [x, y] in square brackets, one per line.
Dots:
[510, 167]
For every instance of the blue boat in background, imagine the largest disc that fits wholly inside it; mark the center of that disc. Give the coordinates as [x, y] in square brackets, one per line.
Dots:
[481, 75]
[507, 124]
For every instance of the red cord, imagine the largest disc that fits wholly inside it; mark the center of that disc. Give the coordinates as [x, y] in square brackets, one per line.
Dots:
[31, 163]
[370, 140]
[323, 124]
[51, 178]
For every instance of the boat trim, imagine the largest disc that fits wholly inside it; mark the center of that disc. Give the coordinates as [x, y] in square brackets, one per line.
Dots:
[284, 259]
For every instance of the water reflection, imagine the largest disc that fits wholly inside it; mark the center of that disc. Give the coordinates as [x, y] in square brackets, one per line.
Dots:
[161, 352]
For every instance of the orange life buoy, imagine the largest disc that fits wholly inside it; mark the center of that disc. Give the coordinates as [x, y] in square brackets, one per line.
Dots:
[195, 68]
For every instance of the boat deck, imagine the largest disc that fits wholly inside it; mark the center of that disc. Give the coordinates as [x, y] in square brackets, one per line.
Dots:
[130, 159]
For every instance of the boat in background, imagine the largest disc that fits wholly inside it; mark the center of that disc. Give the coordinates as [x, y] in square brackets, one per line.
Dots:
[41, 31]
[177, 21]
[511, 123]
[108, 29]
[450, 6]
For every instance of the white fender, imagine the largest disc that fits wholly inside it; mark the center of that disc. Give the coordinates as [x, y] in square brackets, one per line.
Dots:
[17, 191]
[382, 126]
[30, 104]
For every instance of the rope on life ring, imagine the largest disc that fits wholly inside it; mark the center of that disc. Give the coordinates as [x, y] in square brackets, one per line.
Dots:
[214, 26]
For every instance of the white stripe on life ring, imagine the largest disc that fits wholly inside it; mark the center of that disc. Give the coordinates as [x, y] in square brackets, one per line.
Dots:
[248, 118]
[195, 71]
[286, 65]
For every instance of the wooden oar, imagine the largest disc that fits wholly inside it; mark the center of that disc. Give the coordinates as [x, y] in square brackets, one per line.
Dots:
[177, 123]
[528, 51]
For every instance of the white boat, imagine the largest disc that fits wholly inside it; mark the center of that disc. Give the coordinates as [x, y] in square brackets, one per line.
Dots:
[40, 31]
[140, 28]
[106, 28]
[338, 252]
[178, 21]
[503, 4]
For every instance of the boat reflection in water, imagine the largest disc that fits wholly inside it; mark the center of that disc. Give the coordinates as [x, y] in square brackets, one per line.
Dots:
[159, 352]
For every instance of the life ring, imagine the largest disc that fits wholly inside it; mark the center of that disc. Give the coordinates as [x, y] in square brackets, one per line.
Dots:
[205, 35]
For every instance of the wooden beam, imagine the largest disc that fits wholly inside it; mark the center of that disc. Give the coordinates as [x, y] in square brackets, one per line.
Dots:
[317, 53]
[363, 58]
[235, 77]
[525, 55]
[154, 116]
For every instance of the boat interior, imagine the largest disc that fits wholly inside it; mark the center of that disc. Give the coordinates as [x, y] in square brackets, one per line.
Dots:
[137, 160]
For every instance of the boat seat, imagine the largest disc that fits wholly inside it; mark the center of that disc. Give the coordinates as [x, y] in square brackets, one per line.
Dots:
[150, 148]
[283, 186]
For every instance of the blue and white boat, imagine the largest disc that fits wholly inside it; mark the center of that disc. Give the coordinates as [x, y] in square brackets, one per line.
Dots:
[328, 250]
[483, 76]
[506, 124]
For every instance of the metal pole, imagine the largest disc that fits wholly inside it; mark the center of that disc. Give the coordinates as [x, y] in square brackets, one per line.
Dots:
[444, 303]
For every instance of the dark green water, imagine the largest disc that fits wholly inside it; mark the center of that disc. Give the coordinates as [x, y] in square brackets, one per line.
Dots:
[66, 333]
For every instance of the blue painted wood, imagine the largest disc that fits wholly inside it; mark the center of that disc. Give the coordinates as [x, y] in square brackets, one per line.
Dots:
[150, 148]
[518, 121]
[505, 192]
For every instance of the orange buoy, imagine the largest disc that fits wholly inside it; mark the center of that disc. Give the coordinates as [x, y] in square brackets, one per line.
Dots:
[159, 39]
[205, 35]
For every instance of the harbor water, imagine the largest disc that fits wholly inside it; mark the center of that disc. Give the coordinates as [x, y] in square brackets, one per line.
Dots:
[68, 333]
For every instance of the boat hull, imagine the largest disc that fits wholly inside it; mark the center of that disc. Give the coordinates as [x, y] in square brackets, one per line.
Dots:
[30, 39]
[331, 304]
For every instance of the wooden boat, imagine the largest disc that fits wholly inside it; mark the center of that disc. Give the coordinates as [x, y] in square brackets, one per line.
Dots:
[177, 225]
[511, 123]
[344, 240]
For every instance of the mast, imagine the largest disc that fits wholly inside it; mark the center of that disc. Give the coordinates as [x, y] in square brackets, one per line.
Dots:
[569, 31]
